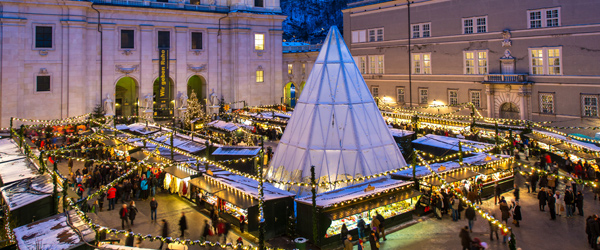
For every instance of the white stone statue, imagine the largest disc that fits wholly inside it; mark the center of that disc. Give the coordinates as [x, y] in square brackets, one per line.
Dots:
[108, 106]
[213, 99]
[183, 98]
[148, 103]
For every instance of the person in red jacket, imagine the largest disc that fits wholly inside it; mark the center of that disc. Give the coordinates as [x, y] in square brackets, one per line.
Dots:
[111, 196]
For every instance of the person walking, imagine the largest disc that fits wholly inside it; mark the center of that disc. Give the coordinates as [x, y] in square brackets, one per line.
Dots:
[344, 233]
[375, 224]
[569, 200]
[153, 207]
[111, 194]
[497, 193]
[470, 214]
[373, 239]
[560, 203]
[516, 192]
[124, 214]
[534, 180]
[595, 231]
[579, 203]
[165, 233]
[182, 224]
[505, 211]
[381, 225]
[551, 205]
[348, 243]
[242, 223]
[144, 187]
[465, 238]
[454, 206]
[132, 211]
[526, 152]
[493, 230]
[517, 214]
[361, 227]
[542, 198]
[552, 183]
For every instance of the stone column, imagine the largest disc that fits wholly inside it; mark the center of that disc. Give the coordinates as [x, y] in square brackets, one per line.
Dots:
[524, 94]
[148, 48]
[489, 91]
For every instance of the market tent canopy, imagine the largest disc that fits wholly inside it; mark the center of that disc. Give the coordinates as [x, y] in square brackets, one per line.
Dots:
[53, 233]
[180, 172]
[336, 126]
[21, 193]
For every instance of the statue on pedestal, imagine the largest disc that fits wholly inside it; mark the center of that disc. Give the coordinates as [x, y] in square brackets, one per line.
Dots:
[108, 106]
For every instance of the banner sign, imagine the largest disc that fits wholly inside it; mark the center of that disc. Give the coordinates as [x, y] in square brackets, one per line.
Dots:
[164, 92]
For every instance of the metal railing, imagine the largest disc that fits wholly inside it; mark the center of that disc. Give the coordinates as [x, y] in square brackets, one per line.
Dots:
[505, 78]
[161, 5]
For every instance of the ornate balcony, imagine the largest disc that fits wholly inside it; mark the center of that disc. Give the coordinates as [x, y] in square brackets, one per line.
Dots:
[506, 78]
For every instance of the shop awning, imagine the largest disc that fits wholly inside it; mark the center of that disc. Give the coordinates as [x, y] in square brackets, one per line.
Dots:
[178, 172]
[236, 198]
[370, 204]
[541, 139]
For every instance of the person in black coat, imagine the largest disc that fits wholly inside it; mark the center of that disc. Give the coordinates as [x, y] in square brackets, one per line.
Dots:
[534, 179]
[344, 233]
[470, 214]
[588, 225]
[551, 205]
[182, 224]
[465, 238]
[132, 211]
[517, 213]
[595, 231]
[373, 239]
[165, 233]
[542, 198]
[543, 181]
[579, 202]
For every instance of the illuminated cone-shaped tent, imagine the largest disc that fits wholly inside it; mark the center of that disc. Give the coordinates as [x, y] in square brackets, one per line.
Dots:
[336, 126]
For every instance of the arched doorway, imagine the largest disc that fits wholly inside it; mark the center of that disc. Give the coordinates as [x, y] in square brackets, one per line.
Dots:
[289, 94]
[126, 97]
[509, 110]
[165, 110]
[197, 84]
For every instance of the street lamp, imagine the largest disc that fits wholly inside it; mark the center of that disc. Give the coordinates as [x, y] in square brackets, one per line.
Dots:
[437, 104]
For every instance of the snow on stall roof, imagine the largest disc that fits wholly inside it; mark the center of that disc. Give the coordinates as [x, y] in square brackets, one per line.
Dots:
[249, 186]
[223, 125]
[53, 233]
[233, 150]
[450, 143]
[400, 133]
[477, 159]
[141, 128]
[27, 191]
[106, 246]
[17, 170]
[357, 191]
[122, 127]
[9, 150]
[587, 145]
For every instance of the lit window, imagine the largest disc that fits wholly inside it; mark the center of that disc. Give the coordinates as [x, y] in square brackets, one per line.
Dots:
[474, 25]
[376, 64]
[361, 63]
[260, 76]
[543, 18]
[421, 30]
[423, 95]
[589, 105]
[476, 62]
[290, 69]
[259, 41]
[376, 35]
[375, 91]
[546, 61]
[422, 63]
[42, 84]
[400, 94]
[476, 98]
[546, 103]
[452, 97]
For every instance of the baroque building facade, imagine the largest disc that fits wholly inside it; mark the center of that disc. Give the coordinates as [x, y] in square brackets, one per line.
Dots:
[62, 58]
[513, 59]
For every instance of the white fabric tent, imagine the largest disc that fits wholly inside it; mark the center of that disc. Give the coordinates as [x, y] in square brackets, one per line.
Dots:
[336, 126]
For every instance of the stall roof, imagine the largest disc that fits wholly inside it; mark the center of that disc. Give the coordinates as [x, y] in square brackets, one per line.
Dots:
[541, 139]
[9, 150]
[53, 233]
[17, 170]
[120, 247]
[141, 128]
[27, 191]
[587, 145]
[400, 133]
[233, 197]
[477, 159]
[233, 150]
[450, 143]
[223, 125]
[357, 191]
[165, 152]
[180, 173]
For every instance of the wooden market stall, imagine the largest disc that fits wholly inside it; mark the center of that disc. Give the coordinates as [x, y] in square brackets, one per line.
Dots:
[443, 145]
[233, 153]
[29, 199]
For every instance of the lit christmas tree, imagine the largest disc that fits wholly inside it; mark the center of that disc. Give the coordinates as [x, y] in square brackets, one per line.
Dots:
[194, 110]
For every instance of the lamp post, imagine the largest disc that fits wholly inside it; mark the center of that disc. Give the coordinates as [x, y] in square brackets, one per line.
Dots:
[408, 29]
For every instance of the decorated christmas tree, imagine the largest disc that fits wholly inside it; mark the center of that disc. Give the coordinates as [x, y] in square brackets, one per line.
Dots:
[194, 110]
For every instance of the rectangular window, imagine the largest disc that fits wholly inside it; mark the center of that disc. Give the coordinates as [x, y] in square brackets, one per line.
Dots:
[421, 63]
[547, 103]
[361, 63]
[164, 39]
[290, 69]
[376, 64]
[127, 39]
[359, 36]
[589, 105]
[545, 61]
[260, 76]
[423, 95]
[474, 25]
[197, 40]
[476, 98]
[376, 35]
[375, 91]
[452, 97]
[304, 68]
[43, 36]
[400, 94]
[259, 3]
[476, 62]
[259, 41]
[543, 18]
[379, 64]
[421, 30]
[42, 84]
